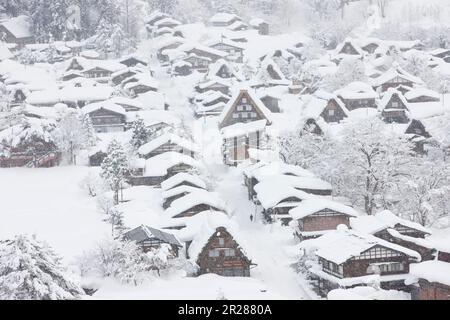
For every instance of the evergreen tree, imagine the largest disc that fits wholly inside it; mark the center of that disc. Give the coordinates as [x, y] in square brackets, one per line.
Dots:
[115, 218]
[88, 131]
[30, 270]
[114, 168]
[140, 133]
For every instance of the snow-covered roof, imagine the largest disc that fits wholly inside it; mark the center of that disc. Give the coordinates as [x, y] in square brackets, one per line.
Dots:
[193, 199]
[342, 244]
[387, 96]
[393, 73]
[104, 105]
[127, 102]
[351, 42]
[195, 46]
[143, 233]
[255, 22]
[182, 177]
[315, 104]
[311, 206]
[383, 220]
[419, 92]
[143, 79]
[356, 90]
[214, 69]
[252, 95]
[152, 100]
[262, 170]
[108, 65]
[179, 190]
[432, 271]
[237, 25]
[223, 17]
[167, 20]
[216, 80]
[225, 41]
[391, 219]
[367, 293]
[158, 166]
[167, 138]
[272, 192]
[243, 129]
[20, 27]
[209, 228]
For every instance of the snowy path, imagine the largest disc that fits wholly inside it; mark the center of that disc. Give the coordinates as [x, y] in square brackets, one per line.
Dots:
[50, 204]
[270, 243]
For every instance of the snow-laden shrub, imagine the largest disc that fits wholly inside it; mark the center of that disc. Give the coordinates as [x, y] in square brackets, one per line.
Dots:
[126, 262]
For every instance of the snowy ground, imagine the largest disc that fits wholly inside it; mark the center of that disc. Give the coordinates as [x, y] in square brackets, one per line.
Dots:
[50, 204]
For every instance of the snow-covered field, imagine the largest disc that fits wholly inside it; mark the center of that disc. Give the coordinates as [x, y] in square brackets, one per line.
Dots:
[50, 204]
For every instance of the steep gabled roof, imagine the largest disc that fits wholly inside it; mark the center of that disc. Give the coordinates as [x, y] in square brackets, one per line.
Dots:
[311, 206]
[167, 138]
[142, 233]
[253, 97]
[182, 177]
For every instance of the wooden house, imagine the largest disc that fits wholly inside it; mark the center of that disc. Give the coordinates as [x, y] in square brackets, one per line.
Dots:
[393, 78]
[271, 102]
[260, 25]
[440, 53]
[243, 123]
[328, 107]
[183, 179]
[119, 76]
[166, 22]
[96, 159]
[347, 258]
[106, 117]
[198, 63]
[433, 280]
[204, 52]
[133, 61]
[18, 96]
[269, 75]
[220, 253]
[217, 84]
[224, 70]
[17, 30]
[32, 150]
[244, 107]
[195, 202]
[420, 95]
[165, 143]
[385, 225]
[155, 170]
[349, 47]
[234, 50]
[223, 19]
[316, 216]
[357, 95]
[394, 107]
[173, 194]
[148, 238]
[277, 200]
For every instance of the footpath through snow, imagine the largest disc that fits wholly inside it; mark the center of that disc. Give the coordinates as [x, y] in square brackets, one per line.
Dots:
[269, 243]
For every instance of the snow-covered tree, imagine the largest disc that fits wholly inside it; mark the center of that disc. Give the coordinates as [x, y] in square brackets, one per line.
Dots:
[369, 161]
[140, 133]
[68, 135]
[30, 270]
[49, 18]
[425, 194]
[125, 261]
[88, 132]
[115, 168]
[114, 217]
[349, 70]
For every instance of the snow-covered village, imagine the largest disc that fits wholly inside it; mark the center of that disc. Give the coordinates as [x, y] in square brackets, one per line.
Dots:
[224, 150]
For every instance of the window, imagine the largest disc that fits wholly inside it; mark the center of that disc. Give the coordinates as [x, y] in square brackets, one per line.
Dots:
[331, 112]
[244, 115]
[221, 241]
[214, 253]
[229, 253]
[248, 108]
[240, 108]
[395, 104]
[235, 115]
[253, 114]
[244, 100]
